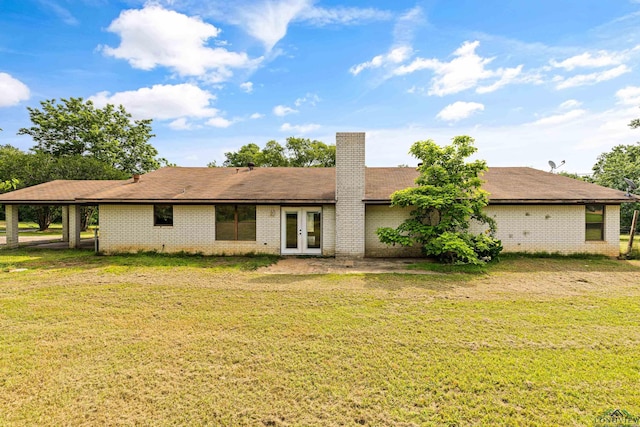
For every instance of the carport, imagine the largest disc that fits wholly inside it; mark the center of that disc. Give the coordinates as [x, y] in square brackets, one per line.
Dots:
[64, 193]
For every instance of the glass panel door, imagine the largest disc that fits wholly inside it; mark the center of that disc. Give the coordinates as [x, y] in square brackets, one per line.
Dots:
[313, 230]
[291, 240]
[301, 231]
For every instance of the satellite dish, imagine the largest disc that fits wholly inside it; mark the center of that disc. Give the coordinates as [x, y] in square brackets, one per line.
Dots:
[554, 166]
[630, 186]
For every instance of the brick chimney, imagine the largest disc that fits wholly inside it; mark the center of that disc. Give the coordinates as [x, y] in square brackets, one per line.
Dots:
[349, 194]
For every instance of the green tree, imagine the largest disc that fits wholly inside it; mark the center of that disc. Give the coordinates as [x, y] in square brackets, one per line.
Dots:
[74, 127]
[249, 153]
[623, 161]
[273, 154]
[585, 178]
[446, 200]
[306, 153]
[297, 152]
[8, 185]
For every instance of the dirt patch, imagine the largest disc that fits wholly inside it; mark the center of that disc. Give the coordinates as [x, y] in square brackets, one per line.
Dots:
[341, 266]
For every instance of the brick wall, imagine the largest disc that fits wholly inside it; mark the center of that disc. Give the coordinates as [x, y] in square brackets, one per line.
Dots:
[129, 228]
[534, 228]
[350, 186]
[328, 230]
[385, 216]
[553, 228]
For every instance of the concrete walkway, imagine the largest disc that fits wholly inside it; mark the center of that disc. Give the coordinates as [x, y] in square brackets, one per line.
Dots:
[49, 242]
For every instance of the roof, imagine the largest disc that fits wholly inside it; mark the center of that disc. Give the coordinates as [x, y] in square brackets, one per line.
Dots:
[505, 185]
[182, 185]
[57, 192]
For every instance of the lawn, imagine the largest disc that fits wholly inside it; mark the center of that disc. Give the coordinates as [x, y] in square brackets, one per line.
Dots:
[178, 340]
[30, 228]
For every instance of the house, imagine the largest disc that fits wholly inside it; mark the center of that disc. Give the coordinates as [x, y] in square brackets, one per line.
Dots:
[316, 211]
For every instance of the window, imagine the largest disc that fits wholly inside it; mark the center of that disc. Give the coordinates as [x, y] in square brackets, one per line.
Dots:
[162, 214]
[594, 220]
[235, 222]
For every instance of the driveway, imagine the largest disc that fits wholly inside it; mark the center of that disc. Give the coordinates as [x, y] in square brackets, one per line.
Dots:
[51, 242]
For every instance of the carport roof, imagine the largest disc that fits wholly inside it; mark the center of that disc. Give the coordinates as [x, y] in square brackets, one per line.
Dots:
[59, 192]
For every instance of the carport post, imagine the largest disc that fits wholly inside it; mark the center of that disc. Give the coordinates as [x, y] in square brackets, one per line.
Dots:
[75, 224]
[65, 223]
[11, 215]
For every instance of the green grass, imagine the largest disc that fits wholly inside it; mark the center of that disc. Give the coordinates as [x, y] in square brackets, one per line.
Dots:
[151, 339]
[30, 228]
[624, 245]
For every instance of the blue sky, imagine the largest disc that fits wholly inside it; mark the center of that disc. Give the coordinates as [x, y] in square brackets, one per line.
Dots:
[531, 80]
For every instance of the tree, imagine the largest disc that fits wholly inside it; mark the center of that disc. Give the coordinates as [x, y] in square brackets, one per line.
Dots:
[249, 153]
[585, 178]
[307, 153]
[623, 161]
[74, 127]
[445, 201]
[298, 152]
[8, 185]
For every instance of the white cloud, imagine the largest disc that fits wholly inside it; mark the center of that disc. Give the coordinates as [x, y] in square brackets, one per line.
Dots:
[593, 78]
[509, 75]
[283, 110]
[629, 95]
[310, 98]
[12, 91]
[154, 36]
[463, 72]
[587, 60]
[60, 12]
[268, 20]
[403, 30]
[247, 87]
[401, 49]
[559, 118]
[569, 104]
[394, 56]
[256, 116]
[342, 15]
[219, 122]
[180, 124]
[162, 101]
[459, 110]
[306, 128]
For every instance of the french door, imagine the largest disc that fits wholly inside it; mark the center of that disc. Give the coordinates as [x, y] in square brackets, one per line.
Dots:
[301, 231]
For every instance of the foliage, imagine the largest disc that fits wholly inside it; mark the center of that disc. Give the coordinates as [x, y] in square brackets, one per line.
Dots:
[623, 161]
[74, 127]
[585, 178]
[445, 201]
[298, 152]
[8, 185]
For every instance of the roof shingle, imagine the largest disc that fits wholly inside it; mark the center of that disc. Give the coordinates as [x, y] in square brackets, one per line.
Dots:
[506, 185]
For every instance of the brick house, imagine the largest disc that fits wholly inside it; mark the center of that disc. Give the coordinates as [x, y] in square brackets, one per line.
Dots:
[316, 211]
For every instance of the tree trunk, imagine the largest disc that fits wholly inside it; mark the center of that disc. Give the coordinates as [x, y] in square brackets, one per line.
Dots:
[45, 216]
[86, 215]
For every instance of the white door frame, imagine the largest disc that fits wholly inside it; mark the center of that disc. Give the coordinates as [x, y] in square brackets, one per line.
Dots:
[302, 246]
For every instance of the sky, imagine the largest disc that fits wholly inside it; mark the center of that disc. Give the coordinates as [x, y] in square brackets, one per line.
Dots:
[530, 80]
